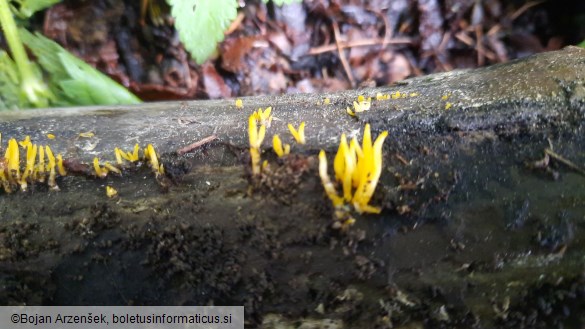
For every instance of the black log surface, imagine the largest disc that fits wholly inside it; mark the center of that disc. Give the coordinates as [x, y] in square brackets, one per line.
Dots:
[483, 198]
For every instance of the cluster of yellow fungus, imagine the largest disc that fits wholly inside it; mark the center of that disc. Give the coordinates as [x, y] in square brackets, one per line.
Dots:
[36, 169]
[278, 147]
[121, 156]
[239, 103]
[358, 170]
[263, 117]
[394, 95]
[299, 135]
[256, 136]
[362, 104]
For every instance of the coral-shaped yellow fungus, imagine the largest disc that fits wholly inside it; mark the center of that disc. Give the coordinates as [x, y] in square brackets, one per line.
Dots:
[448, 105]
[361, 105]
[50, 136]
[326, 101]
[299, 135]
[86, 134]
[358, 169]
[278, 148]
[263, 117]
[31, 153]
[256, 136]
[51, 169]
[239, 103]
[13, 157]
[111, 192]
[150, 155]
[99, 171]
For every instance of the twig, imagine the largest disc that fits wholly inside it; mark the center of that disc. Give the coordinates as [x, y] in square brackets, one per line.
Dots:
[359, 43]
[342, 55]
[197, 144]
[564, 161]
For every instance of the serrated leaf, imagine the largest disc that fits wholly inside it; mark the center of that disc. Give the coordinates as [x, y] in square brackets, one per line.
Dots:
[201, 24]
[26, 8]
[77, 82]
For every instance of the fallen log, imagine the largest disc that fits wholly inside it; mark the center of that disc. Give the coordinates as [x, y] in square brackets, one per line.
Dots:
[482, 184]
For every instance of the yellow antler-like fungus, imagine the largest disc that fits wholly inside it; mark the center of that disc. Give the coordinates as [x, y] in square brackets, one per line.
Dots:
[299, 135]
[99, 171]
[13, 157]
[51, 169]
[256, 136]
[355, 168]
[278, 147]
[263, 117]
[31, 153]
[150, 155]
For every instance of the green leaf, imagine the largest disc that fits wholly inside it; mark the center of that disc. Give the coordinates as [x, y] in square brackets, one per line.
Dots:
[201, 24]
[77, 82]
[9, 82]
[582, 44]
[26, 8]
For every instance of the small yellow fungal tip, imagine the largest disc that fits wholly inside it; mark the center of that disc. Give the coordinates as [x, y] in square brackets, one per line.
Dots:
[119, 154]
[60, 166]
[99, 171]
[263, 117]
[326, 181]
[110, 167]
[299, 135]
[26, 142]
[326, 101]
[361, 98]
[350, 112]
[50, 136]
[13, 158]
[413, 94]
[445, 97]
[239, 103]
[111, 192]
[134, 156]
[150, 154]
[448, 105]
[86, 134]
[277, 146]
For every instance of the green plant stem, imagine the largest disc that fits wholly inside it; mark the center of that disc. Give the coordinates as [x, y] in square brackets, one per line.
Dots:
[34, 89]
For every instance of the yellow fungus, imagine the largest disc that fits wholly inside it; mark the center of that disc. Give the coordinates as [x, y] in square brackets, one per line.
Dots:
[445, 97]
[60, 166]
[40, 171]
[239, 103]
[86, 134]
[355, 168]
[26, 142]
[99, 171]
[111, 192]
[150, 155]
[133, 157]
[448, 105]
[31, 153]
[50, 136]
[263, 117]
[51, 169]
[299, 135]
[382, 97]
[13, 157]
[118, 153]
[413, 94]
[278, 148]
[255, 136]
[361, 105]
[326, 101]
[255, 159]
[327, 184]
[110, 167]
